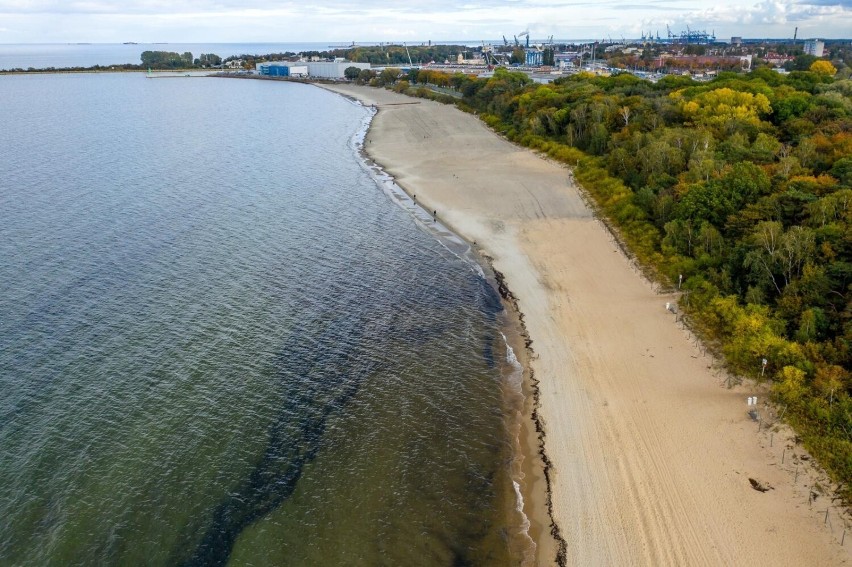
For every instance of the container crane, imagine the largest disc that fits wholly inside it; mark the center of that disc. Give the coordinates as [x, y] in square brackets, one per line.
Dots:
[488, 53]
[410, 64]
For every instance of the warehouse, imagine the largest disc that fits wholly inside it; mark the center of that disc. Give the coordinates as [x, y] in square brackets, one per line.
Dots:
[332, 69]
[314, 69]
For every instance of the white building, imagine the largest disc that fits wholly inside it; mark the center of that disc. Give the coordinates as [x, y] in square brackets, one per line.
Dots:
[313, 69]
[332, 69]
[814, 47]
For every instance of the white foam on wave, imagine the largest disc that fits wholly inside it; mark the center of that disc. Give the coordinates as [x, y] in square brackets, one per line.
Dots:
[514, 382]
[519, 500]
[516, 377]
[510, 354]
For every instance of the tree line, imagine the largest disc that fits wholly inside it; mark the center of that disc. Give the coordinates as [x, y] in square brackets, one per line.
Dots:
[740, 188]
[172, 60]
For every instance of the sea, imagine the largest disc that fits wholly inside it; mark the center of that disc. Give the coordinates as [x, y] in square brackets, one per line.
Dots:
[226, 338]
[69, 55]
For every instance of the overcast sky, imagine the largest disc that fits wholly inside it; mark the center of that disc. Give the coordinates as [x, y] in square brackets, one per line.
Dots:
[188, 21]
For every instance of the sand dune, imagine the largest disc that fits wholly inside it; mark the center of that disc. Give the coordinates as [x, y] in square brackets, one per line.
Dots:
[651, 453]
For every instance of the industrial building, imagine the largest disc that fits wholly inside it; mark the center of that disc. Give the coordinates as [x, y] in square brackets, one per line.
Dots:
[281, 69]
[314, 69]
[814, 47]
[533, 58]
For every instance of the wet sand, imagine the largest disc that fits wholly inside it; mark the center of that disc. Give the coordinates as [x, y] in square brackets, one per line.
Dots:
[650, 452]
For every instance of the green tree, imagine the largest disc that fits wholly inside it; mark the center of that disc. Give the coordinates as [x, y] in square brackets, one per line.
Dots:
[165, 60]
[842, 171]
[366, 75]
[351, 73]
[765, 148]
[208, 60]
[800, 63]
[388, 76]
[705, 201]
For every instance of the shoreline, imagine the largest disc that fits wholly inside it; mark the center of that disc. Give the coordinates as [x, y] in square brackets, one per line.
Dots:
[651, 457]
[529, 464]
[535, 466]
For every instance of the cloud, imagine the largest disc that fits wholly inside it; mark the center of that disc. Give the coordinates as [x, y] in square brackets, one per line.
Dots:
[847, 4]
[767, 18]
[388, 20]
[649, 7]
[767, 12]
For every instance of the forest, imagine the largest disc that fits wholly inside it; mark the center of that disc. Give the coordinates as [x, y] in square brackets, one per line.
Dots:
[738, 189]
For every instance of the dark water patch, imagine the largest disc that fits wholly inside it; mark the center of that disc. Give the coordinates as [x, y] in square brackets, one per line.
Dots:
[319, 377]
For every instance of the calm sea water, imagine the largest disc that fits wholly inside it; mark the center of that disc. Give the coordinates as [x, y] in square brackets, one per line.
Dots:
[63, 55]
[222, 343]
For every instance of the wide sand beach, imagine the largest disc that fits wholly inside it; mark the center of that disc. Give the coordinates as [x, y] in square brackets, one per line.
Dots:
[651, 454]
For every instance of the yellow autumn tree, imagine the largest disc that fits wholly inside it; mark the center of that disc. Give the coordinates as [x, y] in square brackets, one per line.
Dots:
[823, 67]
[790, 385]
[723, 109]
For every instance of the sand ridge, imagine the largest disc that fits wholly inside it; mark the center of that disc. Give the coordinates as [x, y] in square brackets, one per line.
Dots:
[651, 455]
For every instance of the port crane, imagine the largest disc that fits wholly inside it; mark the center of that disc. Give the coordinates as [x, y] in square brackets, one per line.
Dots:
[488, 54]
[410, 64]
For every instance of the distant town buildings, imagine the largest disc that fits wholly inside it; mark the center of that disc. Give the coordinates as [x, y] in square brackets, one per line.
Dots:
[776, 59]
[814, 47]
[684, 54]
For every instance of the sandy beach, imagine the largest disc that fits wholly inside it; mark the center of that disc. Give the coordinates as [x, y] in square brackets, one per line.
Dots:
[651, 453]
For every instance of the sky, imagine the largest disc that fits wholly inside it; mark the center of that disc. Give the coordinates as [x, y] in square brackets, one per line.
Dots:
[213, 21]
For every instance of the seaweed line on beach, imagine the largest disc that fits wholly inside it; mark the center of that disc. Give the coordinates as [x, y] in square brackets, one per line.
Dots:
[512, 302]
